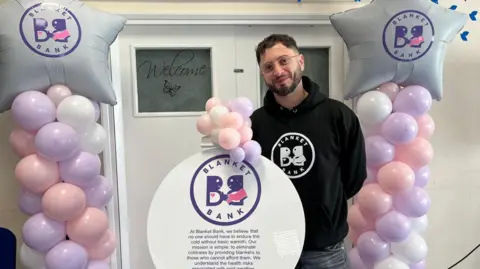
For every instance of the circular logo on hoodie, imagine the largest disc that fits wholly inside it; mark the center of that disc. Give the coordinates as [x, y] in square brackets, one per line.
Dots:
[294, 154]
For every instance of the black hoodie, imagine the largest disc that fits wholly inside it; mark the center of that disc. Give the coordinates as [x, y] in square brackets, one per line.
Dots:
[320, 146]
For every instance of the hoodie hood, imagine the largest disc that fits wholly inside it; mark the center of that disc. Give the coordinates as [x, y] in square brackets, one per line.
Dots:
[314, 98]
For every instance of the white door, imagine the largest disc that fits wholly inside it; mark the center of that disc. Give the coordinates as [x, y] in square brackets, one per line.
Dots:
[168, 73]
[320, 44]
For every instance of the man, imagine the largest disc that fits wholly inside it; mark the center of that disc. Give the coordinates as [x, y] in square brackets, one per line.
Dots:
[319, 144]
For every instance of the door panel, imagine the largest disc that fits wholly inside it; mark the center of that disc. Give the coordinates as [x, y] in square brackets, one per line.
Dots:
[320, 44]
[168, 72]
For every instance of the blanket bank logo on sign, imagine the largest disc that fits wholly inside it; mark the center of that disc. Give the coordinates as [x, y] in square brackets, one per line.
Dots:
[294, 153]
[218, 192]
[408, 35]
[50, 30]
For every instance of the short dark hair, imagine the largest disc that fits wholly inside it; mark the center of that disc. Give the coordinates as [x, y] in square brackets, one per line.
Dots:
[273, 40]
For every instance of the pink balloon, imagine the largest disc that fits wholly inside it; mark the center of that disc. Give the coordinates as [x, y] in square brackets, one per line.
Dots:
[353, 236]
[396, 177]
[214, 101]
[390, 89]
[426, 126]
[103, 248]
[36, 173]
[88, 227]
[373, 201]
[246, 134]
[232, 120]
[357, 221]
[58, 93]
[204, 124]
[64, 202]
[416, 154]
[22, 142]
[229, 138]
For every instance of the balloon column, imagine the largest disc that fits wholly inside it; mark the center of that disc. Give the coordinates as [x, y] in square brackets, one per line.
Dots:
[390, 211]
[394, 44]
[58, 138]
[228, 125]
[54, 71]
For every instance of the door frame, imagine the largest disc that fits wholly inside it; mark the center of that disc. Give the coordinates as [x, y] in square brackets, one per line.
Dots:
[112, 116]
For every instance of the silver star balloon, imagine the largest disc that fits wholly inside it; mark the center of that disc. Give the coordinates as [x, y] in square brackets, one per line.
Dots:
[43, 43]
[400, 41]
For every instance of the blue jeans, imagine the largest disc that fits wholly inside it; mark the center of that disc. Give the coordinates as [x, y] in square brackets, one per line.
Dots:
[332, 257]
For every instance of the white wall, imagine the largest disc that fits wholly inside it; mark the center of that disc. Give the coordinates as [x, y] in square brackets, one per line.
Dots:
[455, 214]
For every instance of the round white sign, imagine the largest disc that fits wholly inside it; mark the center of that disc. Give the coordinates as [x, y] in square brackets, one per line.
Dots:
[213, 213]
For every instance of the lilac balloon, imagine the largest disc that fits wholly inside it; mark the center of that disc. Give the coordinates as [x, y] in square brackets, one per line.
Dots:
[99, 193]
[57, 141]
[29, 203]
[41, 233]
[413, 100]
[422, 177]
[393, 227]
[372, 248]
[371, 177]
[378, 151]
[420, 265]
[253, 151]
[243, 106]
[80, 170]
[414, 203]
[32, 110]
[237, 154]
[97, 110]
[98, 265]
[399, 128]
[355, 260]
[67, 255]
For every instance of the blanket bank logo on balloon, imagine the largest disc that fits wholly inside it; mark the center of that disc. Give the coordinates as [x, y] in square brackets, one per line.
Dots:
[50, 30]
[408, 35]
[225, 192]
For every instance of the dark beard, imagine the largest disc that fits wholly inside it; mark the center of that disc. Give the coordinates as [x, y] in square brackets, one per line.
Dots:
[284, 91]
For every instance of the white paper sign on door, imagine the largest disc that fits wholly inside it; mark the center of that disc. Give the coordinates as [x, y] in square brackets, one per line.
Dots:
[213, 213]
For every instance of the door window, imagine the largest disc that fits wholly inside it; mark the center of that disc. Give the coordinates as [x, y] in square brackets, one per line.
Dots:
[173, 80]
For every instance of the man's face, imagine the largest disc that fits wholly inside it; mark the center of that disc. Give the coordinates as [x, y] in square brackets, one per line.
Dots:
[281, 69]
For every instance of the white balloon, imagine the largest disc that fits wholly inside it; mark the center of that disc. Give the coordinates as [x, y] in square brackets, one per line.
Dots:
[419, 225]
[413, 250]
[216, 113]
[94, 139]
[391, 263]
[30, 259]
[374, 107]
[76, 111]
[214, 135]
